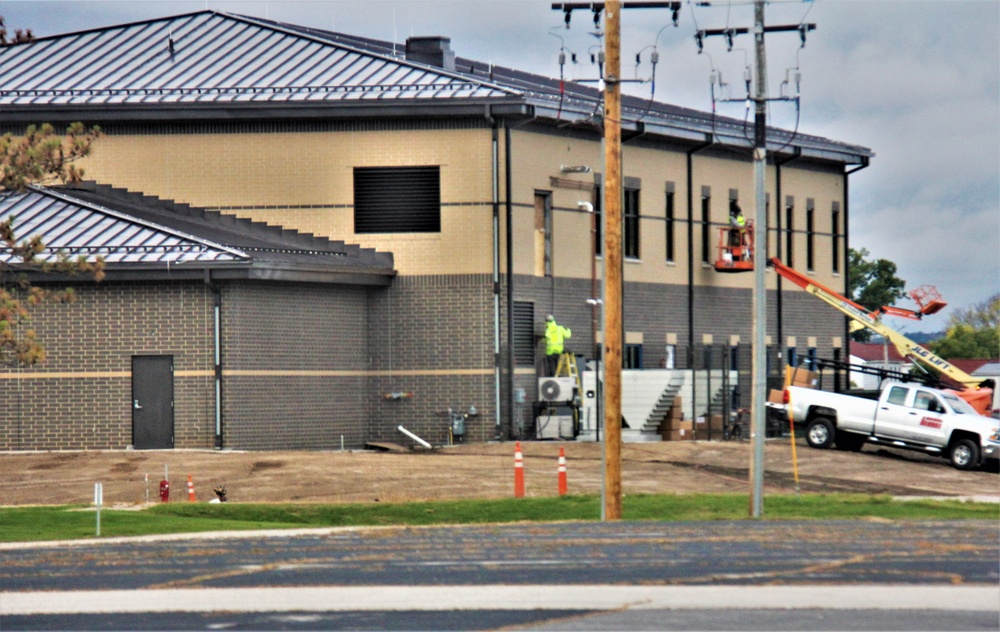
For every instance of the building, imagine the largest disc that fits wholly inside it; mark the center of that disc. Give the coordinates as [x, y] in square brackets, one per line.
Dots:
[471, 176]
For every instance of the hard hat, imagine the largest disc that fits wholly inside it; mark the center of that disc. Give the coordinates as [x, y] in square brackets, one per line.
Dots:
[550, 317]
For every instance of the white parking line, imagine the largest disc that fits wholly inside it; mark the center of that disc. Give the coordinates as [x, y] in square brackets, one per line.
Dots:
[978, 598]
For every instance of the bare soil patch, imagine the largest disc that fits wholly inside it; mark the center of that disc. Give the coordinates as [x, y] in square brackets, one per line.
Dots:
[471, 471]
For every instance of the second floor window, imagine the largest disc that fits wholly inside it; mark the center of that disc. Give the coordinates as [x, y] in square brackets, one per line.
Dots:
[630, 217]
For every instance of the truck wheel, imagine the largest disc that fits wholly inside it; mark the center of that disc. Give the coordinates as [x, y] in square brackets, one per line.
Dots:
[964, 454]
[819, 433]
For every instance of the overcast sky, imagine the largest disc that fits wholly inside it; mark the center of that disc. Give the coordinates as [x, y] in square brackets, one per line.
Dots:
[916, 81]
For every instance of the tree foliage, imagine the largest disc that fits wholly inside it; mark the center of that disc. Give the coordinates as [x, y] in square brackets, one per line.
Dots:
[20, 35]
[973, 332]
[872, 284]
[40, 156]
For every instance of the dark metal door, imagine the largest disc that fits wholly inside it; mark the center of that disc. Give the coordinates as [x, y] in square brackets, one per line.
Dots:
[152, 402]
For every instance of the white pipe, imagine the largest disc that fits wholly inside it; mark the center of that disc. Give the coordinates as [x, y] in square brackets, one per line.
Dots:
[413, 436]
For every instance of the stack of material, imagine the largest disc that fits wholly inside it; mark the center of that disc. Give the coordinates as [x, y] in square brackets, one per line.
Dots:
[674, 427]
[708, 428]
[801, 377]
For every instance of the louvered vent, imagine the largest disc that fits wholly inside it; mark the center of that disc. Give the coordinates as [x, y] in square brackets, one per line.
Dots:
[397, 199]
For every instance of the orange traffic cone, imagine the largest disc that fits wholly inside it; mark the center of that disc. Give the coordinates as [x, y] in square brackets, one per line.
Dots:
[190, 489]
[563, 484]
[518, 472]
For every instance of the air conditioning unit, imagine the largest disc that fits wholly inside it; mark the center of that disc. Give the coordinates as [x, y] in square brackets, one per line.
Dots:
[556, 389]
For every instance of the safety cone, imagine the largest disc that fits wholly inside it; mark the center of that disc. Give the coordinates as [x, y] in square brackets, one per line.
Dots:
[563, 484]
[190, 489]
[518, 472]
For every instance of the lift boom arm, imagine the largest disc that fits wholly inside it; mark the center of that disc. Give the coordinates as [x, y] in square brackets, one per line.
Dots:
[906, 347]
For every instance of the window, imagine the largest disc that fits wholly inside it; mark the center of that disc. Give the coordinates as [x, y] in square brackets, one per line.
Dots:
[599, 217]
[630, 216]
[524, 333]
[810, 236]
[789, 232]
[927, 401]
[397, 199]
[632, 356]
[706, 226]
[792, 357]
[670, 222]
[897, 395]
[543, 233]
[811, 354]
[835, 231]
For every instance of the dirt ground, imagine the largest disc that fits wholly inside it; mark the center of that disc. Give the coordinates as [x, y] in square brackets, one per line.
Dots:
[471, 471]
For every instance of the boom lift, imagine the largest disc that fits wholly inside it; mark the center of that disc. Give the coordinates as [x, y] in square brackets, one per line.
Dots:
[735, 249]
[978, 393]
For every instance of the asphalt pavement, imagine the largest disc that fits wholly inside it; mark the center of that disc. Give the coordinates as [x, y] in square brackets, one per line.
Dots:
[617, 575]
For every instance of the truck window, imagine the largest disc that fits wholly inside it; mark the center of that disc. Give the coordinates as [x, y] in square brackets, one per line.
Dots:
[924, 401]
[897, 395]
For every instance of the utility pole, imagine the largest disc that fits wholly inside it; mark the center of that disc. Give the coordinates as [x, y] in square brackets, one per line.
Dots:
[759, 322]
[612, 264]
[613, 332]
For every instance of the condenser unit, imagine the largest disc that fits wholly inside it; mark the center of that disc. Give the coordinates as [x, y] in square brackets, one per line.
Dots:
[556, 389]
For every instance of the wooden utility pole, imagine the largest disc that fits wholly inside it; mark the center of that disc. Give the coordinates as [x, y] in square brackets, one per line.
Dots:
[612, 264]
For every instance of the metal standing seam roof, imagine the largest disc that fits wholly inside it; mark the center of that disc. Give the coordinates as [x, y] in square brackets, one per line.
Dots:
[129, 229]
[73, 228]
[214, 59]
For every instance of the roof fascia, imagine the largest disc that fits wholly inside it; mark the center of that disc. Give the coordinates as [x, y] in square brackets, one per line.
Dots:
[184, 112]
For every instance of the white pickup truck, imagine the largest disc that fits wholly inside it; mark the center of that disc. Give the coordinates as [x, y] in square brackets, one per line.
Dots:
[904, 415]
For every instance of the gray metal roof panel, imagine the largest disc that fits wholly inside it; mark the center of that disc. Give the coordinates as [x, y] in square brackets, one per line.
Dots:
[218, 59]
[213, 57]
[131, 230]
[70, 227]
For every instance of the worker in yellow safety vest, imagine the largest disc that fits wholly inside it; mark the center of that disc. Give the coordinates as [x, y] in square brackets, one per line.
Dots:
[555, 337]
[738, 227]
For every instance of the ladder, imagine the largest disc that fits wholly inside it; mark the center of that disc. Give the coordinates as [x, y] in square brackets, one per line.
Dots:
[567, 368]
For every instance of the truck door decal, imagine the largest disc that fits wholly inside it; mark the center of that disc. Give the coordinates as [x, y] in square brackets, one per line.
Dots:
[930, 422]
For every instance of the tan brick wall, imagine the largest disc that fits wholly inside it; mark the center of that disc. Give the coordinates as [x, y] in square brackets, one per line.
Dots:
[292, 171]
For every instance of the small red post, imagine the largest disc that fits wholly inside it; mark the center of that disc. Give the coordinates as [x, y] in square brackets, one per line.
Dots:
[164, 491]
[563, 483]
[518, 472]
[191, 497]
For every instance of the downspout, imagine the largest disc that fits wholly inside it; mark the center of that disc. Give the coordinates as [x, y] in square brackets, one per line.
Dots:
[779, 205]
[690, 235]
[509, 255]
[847, 258]
[495, 181]
[217, 353]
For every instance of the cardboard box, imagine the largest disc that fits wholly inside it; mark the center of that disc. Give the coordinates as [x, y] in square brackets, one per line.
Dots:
[679, 435]
[801, 377]
[776, 397]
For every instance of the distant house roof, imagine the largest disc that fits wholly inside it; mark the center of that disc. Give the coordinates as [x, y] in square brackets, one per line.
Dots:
[990, 368]
[970, 365]
[873, 352]
[142, 236]
[212, 65]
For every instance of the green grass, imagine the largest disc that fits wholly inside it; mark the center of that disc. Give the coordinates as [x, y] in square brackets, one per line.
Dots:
[19, 524]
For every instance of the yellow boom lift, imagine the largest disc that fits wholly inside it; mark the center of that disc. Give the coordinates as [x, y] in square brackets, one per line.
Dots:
[978, 393]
